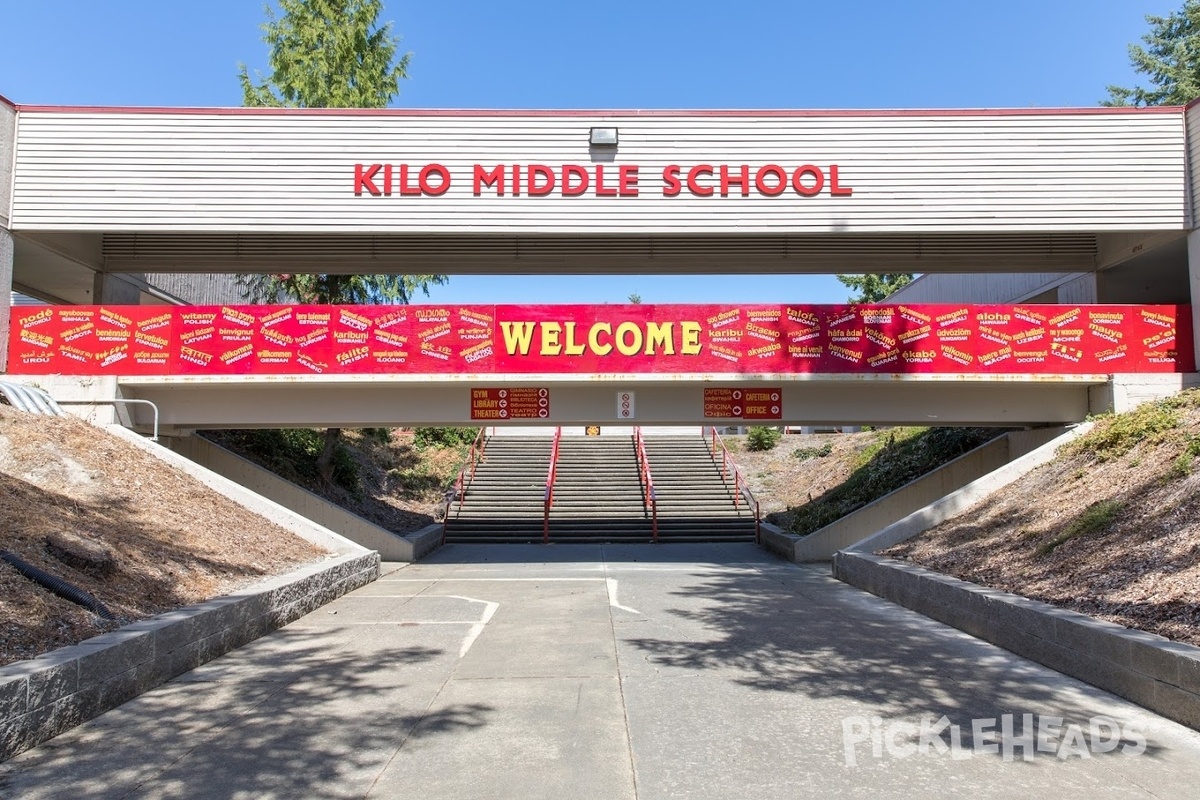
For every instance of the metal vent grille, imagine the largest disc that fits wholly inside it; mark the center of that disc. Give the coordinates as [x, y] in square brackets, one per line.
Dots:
[919, 252]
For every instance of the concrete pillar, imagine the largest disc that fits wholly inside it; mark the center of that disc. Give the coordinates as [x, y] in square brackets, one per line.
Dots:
[1083, 290]
[6, 272]
[111, 289]
[1193, 248]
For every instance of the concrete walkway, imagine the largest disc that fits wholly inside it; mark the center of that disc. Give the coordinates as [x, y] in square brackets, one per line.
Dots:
[580, 671]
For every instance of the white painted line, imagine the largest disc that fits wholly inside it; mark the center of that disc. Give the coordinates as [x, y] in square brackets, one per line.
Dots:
[414, 622]
[495, 580]
[477, 626]
[612, 596]
[473, 634]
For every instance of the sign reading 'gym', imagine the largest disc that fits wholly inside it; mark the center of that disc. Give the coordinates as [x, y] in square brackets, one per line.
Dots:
[599, 180]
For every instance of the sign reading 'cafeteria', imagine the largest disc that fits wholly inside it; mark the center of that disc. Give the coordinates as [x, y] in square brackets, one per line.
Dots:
[749, 340]
[599, 180]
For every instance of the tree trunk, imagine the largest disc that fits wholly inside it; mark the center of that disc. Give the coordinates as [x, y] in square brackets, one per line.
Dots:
[325, 460]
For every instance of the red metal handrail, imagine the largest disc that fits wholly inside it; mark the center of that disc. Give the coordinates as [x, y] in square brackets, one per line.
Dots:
[649, 497]
[474, 456]
[741, 491]
[551, 477]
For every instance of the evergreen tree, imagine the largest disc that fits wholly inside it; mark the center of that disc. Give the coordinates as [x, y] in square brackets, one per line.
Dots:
[330, 54]
[874, 288]
[1171, 60]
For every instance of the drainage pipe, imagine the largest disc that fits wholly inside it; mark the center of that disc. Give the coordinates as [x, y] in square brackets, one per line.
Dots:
[57, 585]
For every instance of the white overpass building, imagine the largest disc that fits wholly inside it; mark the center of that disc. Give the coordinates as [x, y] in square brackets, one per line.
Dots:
[126, 205]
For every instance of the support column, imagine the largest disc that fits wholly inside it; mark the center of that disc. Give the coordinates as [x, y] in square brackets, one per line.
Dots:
[6, 273]
[1193, 248]
[1082, 291]
[110, 289]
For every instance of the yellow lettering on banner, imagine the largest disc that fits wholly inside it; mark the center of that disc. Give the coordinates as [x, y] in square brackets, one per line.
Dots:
[659, 335]
[479, 393]
[629, 348]
[594, 338]
[517, 340]
[550, 343]
[629, 338]
[572, 348]
[691, 338]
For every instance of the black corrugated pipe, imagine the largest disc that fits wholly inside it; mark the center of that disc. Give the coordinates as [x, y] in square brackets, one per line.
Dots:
[57, 585]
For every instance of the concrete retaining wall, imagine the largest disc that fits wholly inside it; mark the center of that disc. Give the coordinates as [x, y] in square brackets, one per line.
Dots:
[959, 501]
[1149, 670]
[820, 545]
[390, 546]
[45, 696]
[281, 516]
[1126, 392]
[913, 497]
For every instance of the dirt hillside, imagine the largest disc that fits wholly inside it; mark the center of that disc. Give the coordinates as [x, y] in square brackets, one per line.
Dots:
[808, 481]
[171, 540]
[1111, 528]
[387, 476]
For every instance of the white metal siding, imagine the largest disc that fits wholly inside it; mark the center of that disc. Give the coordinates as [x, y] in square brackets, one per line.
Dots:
[1193, 154]
[8, 137]
[910, 173]
[995, 287]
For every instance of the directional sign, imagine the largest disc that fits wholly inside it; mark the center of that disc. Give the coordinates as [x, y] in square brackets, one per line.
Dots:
[517, 402]
[743, 403]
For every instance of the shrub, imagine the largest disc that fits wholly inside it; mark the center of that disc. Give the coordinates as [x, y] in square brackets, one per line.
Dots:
[444, 437]
[1116, 435]
[893, 458]
[291, 453]
[1184, 461]
[805, 453]
[1095, 518]
[761, 437]
[377, 435]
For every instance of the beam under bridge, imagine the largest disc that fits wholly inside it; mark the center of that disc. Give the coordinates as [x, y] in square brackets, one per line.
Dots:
[196, 402]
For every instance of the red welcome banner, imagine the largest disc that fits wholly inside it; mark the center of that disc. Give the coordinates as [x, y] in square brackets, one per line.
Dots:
[605, 339]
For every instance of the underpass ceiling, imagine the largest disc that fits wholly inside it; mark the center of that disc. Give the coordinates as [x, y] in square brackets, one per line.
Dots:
[615, 254]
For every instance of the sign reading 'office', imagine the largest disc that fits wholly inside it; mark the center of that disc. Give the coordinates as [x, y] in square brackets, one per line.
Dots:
[599, 180]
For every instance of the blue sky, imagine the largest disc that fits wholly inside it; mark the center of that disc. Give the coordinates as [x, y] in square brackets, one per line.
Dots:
[609, 54]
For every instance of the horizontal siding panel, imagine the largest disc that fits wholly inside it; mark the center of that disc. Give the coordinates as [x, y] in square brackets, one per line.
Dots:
[197, 172]
[1193, 155]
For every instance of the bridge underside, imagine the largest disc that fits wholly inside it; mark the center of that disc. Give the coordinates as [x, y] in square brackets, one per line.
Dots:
[60, 265]
[370, 401]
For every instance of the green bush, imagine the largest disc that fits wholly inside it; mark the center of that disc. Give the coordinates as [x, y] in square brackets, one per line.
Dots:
[761, 437]
[444, 437]
[894, 457]
[377, 435]
[805, 453]
[1184, 461]
[291, 453]
[1095, 518]
[1116, 435]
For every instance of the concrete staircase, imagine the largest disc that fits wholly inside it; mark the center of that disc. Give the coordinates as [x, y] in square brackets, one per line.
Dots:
[505, 501]
[598, 495]
[694, 504]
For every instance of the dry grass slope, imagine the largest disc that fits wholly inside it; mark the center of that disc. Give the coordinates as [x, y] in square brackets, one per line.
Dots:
[1111, 528]
[173, 541]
